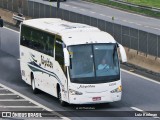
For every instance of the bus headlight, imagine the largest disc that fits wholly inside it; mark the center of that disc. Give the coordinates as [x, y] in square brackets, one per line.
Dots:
[73, 92]
[119, 89]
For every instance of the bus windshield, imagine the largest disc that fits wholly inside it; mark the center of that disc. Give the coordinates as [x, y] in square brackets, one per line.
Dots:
[94, 63]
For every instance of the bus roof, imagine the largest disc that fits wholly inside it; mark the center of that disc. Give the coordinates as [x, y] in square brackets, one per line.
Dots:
[71, 33]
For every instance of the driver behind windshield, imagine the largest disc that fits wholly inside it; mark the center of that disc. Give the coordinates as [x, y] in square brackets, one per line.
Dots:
[103, 65]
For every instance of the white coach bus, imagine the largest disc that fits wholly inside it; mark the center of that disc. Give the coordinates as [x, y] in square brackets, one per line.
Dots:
[74, 62]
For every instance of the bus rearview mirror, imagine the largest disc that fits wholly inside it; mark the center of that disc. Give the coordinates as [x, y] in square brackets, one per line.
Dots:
[123, 53]
[66, 57]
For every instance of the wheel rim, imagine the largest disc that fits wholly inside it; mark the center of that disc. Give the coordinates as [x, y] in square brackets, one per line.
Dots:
[33, 85]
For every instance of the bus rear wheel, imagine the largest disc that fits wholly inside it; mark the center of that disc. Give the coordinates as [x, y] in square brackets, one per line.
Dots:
[34, 89]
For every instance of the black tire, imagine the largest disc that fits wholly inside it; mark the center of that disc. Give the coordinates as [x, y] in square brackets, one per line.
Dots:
[63, 103]
[34, 89]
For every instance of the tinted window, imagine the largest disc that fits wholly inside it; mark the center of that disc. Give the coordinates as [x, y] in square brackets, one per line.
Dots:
[25, 36]
[37, 40]
[94, 63]
[82, 61]
[59, 56]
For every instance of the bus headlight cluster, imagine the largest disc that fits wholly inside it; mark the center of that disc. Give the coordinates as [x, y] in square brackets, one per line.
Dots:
[73, 92]
[119, 89]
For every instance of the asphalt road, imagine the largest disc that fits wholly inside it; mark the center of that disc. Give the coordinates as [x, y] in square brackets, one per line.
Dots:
[106, 13]
[138, 93]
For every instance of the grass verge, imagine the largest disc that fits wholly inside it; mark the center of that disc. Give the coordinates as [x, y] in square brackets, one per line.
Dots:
[150, 3]
[128, 8]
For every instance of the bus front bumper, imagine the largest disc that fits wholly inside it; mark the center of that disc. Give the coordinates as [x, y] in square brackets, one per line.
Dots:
[95, 99]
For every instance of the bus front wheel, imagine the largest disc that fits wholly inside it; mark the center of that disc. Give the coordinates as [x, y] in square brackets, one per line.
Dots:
[60, 97]
[34, 89]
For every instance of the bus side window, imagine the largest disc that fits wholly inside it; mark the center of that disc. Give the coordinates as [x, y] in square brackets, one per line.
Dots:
[25, 36]
[36, 40]
[49, 44]
[59, 55]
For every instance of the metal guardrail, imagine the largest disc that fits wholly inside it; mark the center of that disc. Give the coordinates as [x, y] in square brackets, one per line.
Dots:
[137, 6]
[18, 18]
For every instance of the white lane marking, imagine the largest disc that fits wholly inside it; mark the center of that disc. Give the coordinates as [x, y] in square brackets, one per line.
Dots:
[138, 24]
[1, 100]
[142, 111]
[109, 16]
[151, 80]
[131, 22]
[11, 29]
[92, 12]
[66, 5]
[141, 24]
[146, 26]
[74, 7]
[34, 102]
[136, 109]
[82, 9]
[134, 23]
[20, 107]
[124, 20]
[139, 15]
[102, 14]
[151, 27]
[8, 94]
[155, 28]
[2, 89]
[17, 93]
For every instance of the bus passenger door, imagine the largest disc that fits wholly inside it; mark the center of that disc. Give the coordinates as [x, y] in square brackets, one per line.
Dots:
[60, 69]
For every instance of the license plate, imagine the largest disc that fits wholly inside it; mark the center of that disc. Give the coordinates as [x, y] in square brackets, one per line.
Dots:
[96, 98]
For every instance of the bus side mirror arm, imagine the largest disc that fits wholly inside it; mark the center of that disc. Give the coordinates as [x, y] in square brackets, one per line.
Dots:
[66, 57]
[1, 22]
[123, 53]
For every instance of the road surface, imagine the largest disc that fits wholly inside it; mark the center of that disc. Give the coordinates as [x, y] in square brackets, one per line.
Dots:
[140, 22]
